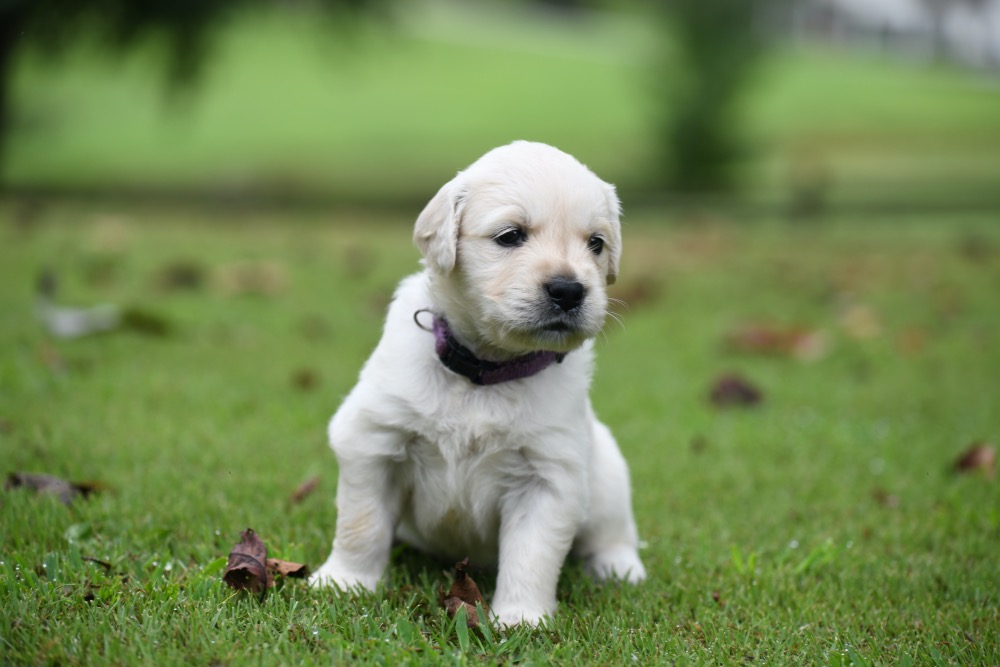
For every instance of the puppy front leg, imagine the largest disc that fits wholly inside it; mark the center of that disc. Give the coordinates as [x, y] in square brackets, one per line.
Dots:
[536, 532]
[368, 506]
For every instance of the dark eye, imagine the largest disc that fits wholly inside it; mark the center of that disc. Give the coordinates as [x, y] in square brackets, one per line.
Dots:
[596, 244]
[511, 238]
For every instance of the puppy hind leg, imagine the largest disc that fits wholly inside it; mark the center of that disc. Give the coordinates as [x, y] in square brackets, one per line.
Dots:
[609, 541]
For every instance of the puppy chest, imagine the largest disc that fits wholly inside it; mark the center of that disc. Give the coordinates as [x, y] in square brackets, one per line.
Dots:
[453, 496]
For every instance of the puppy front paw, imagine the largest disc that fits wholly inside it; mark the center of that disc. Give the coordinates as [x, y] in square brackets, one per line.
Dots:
[331, 575]
[620, 563]
[512, 616]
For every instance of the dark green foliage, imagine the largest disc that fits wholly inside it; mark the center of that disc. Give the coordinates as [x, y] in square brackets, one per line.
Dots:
[184, 27]
[716, 47]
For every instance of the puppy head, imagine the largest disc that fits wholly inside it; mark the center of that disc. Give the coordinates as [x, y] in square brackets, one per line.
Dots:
[521, 246]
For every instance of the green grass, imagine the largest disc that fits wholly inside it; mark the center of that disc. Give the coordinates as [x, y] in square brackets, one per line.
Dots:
[388, 113]
[823, 526]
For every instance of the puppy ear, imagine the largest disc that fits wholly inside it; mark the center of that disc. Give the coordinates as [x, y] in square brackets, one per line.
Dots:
[436, 230]
[615, 242]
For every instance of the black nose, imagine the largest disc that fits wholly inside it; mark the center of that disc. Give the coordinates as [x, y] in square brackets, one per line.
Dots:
[567, 294]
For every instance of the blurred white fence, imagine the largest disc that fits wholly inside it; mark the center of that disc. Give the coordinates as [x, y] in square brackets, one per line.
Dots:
[963, 31]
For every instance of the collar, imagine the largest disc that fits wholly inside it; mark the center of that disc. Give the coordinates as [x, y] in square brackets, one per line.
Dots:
[460, 359]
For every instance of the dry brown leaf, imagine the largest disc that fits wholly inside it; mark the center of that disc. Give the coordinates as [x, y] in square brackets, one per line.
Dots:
[719, 600]
[50, 485]
[785, 341]
[733, 390]
[304, 489]
[183, 274]
[305, 379]
[911, 342]
[262, 278]
[464, 594]
[885, 499]
[250, 569]
[284, 568]
[105, 565]
[453, 605]
[144, 321]
[247, 566]
[980, 457]
[640, 291]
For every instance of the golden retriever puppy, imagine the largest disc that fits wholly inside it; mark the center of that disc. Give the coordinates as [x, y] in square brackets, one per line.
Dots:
[470, 431]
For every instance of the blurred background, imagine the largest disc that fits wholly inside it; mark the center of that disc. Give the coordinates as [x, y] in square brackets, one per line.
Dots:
[800, 107]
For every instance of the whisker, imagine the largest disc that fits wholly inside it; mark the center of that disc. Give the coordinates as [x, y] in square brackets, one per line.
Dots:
[621, 302]
[618, 319]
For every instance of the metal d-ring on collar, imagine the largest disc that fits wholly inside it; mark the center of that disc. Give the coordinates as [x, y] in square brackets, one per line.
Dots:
[463, 361]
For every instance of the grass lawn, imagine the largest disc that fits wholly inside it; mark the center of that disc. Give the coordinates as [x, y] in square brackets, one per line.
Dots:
[824, 525]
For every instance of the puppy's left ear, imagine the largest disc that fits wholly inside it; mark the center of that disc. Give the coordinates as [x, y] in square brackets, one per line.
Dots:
[436, 230]
[615, 242]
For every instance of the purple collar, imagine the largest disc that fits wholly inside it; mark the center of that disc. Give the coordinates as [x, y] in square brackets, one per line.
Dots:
[460, 359]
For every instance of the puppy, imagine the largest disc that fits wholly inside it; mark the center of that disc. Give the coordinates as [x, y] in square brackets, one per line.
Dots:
[470, 431]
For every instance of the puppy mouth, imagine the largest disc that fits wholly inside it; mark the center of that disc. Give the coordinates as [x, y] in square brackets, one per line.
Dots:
[560, 331]
[544, 326]
[559, 326]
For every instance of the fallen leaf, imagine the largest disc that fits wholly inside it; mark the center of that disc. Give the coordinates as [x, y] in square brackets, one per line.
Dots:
[145, 321]
[181, 275]
[305, 379]
[911, 342]
[786, 341]
[640, 291]
[259, 278]
[885, 499]
[247, 566]
[981, 457]
[453, 605]
[284, 568]
[50, 485]
[977, 248]
[96, 561]
[732, 390]
[304, 489]
[464, 594]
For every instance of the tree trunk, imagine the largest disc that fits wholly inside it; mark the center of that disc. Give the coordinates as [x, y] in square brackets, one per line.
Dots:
[11, 26]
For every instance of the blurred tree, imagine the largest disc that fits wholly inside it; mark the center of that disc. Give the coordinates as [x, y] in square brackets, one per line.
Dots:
[185, 27]
[715, 47]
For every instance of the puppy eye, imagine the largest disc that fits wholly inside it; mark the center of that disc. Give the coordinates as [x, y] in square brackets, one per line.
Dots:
[596, 244]
[511, 238]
